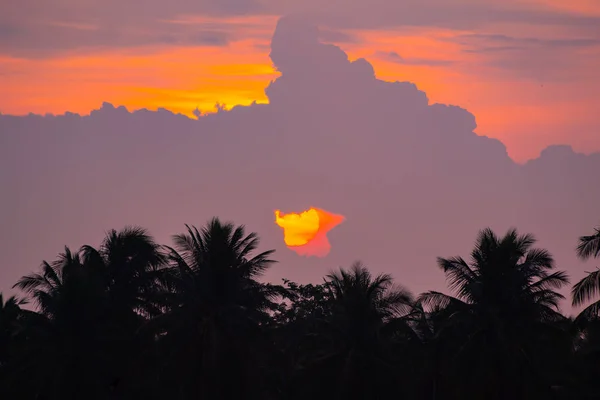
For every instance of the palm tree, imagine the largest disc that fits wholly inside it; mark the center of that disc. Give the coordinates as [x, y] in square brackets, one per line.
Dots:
[12, 327]
[131, 266]
[65, 344]
[506, 275]
[63, 285]
[361, 300]
[503, 299]
[216, 310]
[91, 304]
[589, 287]
[349, 355]
[131, 263]
[10, 313]
[587, 322]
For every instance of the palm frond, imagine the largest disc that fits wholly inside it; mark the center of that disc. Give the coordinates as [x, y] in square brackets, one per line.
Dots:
[437, 300]
[90, 255]
[589, 246]
[398, 300]
[547, 298]
[485, 244]
[539, 258]
[522, 243]
[586, 289]
[29, 283]
[591, 312]
[52, 273]
[556, 280]
[459, 274]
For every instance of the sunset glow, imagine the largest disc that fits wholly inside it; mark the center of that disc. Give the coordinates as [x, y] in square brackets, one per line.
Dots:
[305, 232]
[525, 65]
[163, 165]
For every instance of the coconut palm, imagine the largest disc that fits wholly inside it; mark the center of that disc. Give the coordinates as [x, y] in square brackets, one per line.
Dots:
[349, 354]
[10, 314]
[587, 341]
[64, 288]
[507, 275]
[216, 309]
[131, 262]
[91, 303]
[504, 299]
[13, 324]
[588, 288]
[64, 353]
[361, 300]
[130, 265]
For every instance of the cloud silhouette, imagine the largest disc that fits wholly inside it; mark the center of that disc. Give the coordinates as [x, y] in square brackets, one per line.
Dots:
[413, 179]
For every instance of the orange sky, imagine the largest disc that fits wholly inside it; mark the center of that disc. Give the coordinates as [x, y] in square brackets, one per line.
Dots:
[526, 112]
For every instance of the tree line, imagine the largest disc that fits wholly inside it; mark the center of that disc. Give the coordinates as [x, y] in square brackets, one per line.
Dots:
[133, 319]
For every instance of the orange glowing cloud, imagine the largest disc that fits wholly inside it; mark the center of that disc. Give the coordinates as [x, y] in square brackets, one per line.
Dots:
[305, 232]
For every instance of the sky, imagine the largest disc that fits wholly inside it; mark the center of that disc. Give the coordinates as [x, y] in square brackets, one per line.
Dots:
[415, 176]
[526, 69]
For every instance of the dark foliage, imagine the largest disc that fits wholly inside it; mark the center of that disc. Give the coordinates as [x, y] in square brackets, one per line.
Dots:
[131, 319]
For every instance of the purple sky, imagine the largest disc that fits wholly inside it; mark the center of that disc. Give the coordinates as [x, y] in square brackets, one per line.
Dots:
[412, 179]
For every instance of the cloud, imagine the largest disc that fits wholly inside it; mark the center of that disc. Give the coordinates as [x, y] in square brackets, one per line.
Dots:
[47, 39]
[201, 38]
[486, 42]
[335, 36]
[452, 14]
[394, 57]
[412, 178]
[33, 29]
[538, 59]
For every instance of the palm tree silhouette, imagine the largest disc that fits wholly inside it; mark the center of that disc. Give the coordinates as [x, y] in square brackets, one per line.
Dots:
[64, 348]
[130, 265]
[91, 304]
[133, 319]
[352, 358]
[587, 323]
[12, 326]
[589, 287]
[216, 310]
[130, 262]
[503, 298]
[10, 316]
